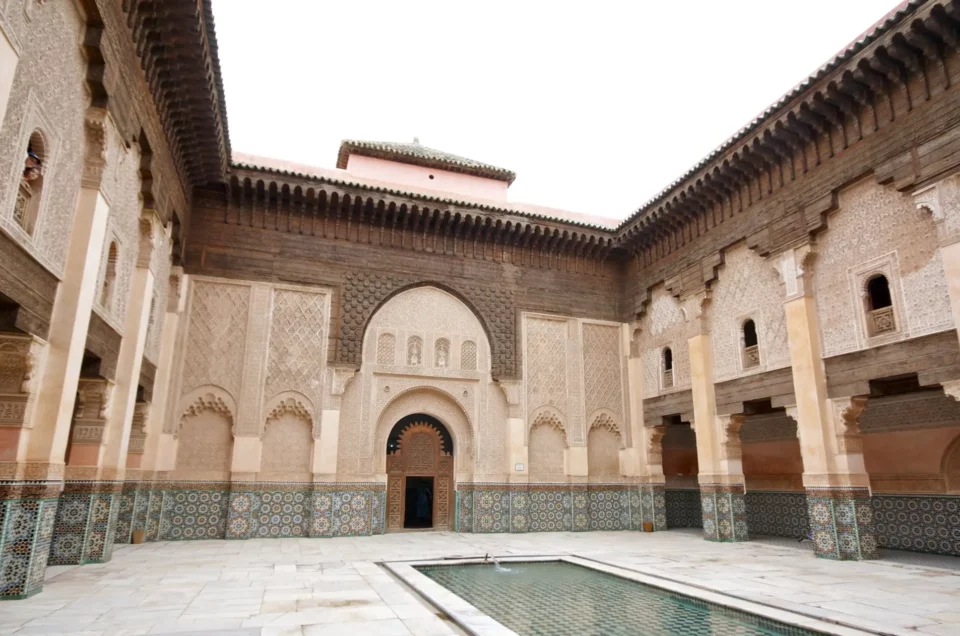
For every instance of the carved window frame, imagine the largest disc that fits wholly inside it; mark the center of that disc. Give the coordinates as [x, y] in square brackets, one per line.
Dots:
[662, 365]
[411, 339]
[381, 335]
[34, 119]
[887, 265]
[742, 344]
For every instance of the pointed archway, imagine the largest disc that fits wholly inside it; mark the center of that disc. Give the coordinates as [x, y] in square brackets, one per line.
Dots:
[419, 474]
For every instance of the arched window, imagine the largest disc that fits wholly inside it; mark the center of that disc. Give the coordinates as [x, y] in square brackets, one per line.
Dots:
[667, 368]
[414, 351]
[751, 347]
[27, 207]
[468, 355]
[110, 278]
[880, 317]
[441, 354]
[386, 348]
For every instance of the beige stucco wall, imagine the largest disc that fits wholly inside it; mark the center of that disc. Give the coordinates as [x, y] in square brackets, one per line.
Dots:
[878, 230]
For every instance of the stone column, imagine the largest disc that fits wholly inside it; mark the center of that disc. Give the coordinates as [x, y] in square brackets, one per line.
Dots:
[131, 505]
[722, 485]
[86, 522]
[643, 460]
[158, 446]
[834, 476]
[33, 477]
[942, 202]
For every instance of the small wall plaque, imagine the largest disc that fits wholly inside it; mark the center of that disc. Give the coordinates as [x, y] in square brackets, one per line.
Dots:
[518, 468]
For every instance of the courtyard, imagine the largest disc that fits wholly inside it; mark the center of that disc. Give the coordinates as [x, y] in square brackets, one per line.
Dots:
[336, 586]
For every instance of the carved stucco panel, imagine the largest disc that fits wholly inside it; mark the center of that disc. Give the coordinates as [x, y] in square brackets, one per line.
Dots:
[872, 215]
[602, 369]
[121, 186]
[747, 286]
[205, 448]
[216, 335]
[298, 345]
[546, 449]
[545, 358]
[48, 91]
[287, 448]
[662, 326]
[492, 434]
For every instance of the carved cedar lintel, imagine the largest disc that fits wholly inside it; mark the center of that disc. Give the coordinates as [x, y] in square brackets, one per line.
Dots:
[22, 359]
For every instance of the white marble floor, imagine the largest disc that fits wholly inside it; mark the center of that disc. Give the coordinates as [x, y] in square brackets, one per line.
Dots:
[334, 586]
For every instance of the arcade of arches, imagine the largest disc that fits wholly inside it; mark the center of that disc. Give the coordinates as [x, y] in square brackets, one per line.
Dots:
[195, 344]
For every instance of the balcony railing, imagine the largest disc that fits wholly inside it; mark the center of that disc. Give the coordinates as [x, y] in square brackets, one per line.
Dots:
[751, 357]
[882, 321]
[668, 378]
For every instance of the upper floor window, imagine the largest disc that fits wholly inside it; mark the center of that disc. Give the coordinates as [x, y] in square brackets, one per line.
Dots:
[667, 368]
[27, 207]
[468, 355]
[414, 351]
[441, 356]
[751, 347]
[880, 316]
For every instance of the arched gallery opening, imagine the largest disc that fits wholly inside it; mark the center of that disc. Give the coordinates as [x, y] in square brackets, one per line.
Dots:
[419, 474]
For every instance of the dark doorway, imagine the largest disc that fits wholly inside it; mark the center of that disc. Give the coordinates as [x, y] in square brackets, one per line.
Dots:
[418, 508]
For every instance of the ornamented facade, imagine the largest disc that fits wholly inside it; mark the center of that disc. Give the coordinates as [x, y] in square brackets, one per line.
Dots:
[195, 344]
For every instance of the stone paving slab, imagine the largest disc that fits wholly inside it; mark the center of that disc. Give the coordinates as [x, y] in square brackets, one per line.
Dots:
[334, 586]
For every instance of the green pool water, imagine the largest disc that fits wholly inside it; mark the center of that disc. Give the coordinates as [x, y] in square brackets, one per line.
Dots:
[556, 598]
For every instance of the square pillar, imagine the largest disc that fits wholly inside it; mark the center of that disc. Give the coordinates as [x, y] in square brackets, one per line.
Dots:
[722, 484]
[27, 513]
[834, 475]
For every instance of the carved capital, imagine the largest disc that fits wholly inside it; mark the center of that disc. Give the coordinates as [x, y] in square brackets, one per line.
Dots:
[150, 238]
[695, 308]
[340, 378]
[95, 158]
[794, 267]
[952, 389]
[654, 443]
[94, 399]
[512, 391]
[846, 414]
[22, 358]
[138, 429]
[175, 290]
[730, 426]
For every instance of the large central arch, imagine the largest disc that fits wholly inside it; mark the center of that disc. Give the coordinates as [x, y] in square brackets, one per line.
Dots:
[419, 453]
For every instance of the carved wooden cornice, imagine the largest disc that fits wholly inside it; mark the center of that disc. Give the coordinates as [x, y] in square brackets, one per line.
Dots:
[177, 46]
[321, 207]
[887, 73]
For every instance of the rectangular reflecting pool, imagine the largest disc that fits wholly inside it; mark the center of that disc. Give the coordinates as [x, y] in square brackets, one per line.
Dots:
[556, 598]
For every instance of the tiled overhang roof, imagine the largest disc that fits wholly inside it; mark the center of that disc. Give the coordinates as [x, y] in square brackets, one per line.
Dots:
[850, 93]
[177, 45]
[422, 196]
[416, 154]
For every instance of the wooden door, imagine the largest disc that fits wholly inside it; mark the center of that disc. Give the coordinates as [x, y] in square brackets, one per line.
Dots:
[419, 453]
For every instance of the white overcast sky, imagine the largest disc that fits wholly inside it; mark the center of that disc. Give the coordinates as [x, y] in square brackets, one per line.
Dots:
[596, 106]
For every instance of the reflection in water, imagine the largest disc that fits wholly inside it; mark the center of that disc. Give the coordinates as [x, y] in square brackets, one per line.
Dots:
[562, 599]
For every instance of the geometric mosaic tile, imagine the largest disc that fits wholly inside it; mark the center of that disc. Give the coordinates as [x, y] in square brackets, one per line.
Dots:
[26, 529]
[841, 523]
[778, 514]
[920, 523]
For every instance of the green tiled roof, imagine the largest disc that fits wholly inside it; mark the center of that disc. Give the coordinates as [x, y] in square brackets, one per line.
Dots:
[419, 155]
